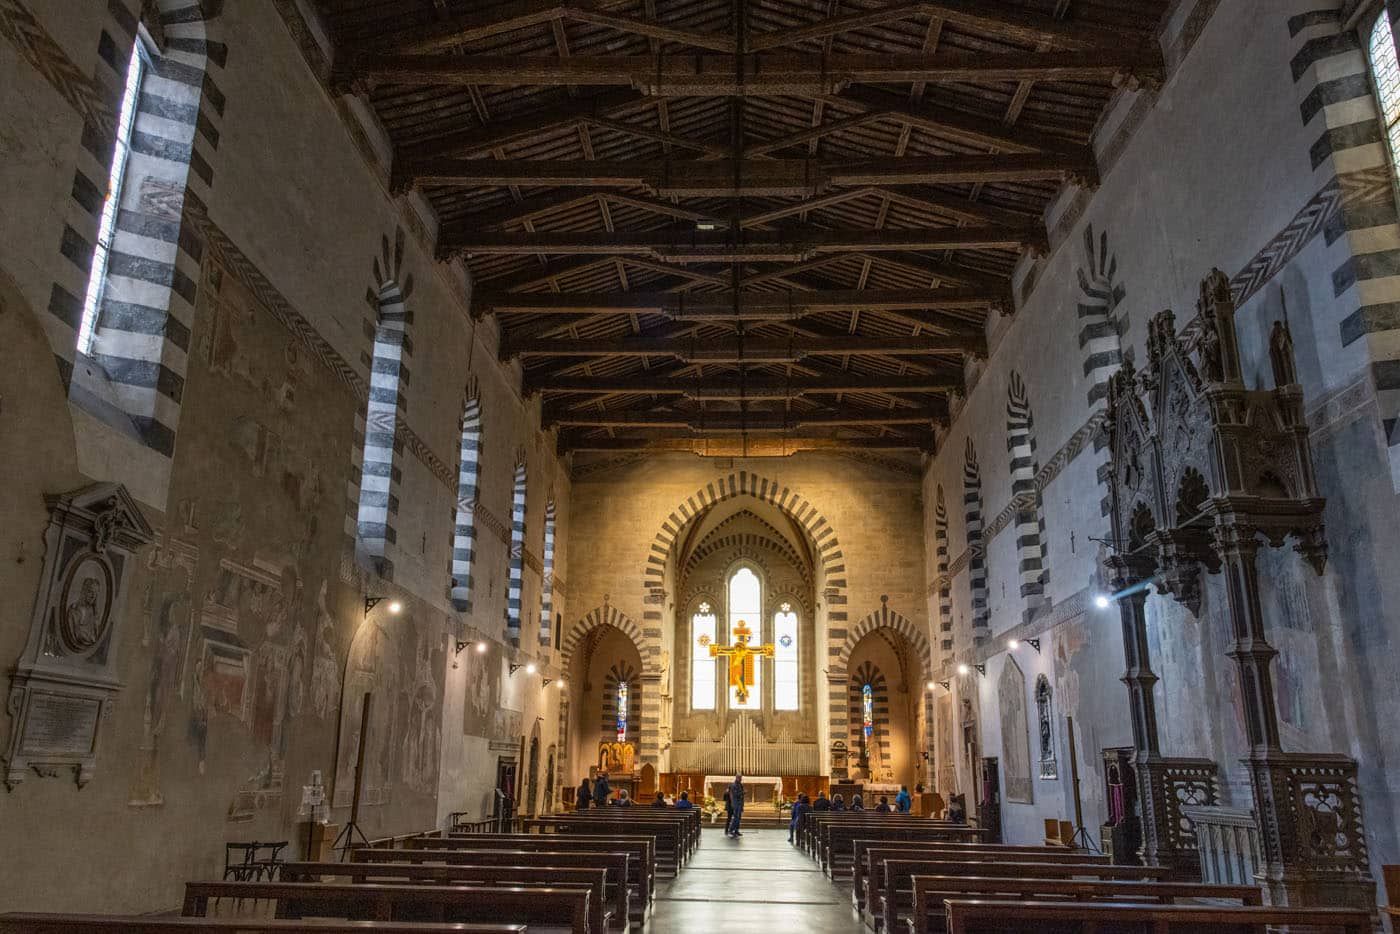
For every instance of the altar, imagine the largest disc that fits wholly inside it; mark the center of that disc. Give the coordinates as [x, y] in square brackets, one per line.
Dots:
[758, 789]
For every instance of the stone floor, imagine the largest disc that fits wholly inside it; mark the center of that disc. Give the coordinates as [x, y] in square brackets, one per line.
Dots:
[757, 884]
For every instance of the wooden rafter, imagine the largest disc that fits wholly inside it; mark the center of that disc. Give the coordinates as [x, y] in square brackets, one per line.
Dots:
[750, 350]
[713, 389]
[746, 305]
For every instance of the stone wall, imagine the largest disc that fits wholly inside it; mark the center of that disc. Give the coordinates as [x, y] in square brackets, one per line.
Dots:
[255, 244]
[1278, 176]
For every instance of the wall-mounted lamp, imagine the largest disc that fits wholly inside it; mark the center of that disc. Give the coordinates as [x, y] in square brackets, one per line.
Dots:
[546, 682]
[1102, 601]
[514, 668]
[964, 670]
[981, 670]
[946, 685]
[561, 682]
[931, 685]
[530, 668]
[1014, 644]
[481, 647]
[395, 606]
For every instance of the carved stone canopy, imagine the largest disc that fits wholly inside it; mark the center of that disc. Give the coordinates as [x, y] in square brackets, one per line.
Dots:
[1191, 448]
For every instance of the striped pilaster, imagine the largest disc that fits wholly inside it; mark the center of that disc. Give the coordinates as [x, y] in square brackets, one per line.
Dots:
[1334, 85]
[976, 550]
[464, 521]
[943, 585]
[1099, 329]
[1030, 513]
[547, 578]
[380, 475]
[138, 358]
[515, 588]
[1100, 333]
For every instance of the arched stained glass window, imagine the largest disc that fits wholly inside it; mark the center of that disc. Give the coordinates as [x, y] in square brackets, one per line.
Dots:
[867, 713]
[702, 666]
[746, 612]
[1385, 67]
[622, 696]
[786, 689]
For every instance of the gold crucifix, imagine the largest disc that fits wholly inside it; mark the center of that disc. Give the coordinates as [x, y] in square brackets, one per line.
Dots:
[741, 660]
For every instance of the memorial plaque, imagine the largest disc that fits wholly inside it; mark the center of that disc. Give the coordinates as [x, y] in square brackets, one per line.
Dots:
[59, 723]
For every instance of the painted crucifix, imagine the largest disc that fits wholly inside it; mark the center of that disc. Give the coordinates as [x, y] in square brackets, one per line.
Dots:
[741, 659]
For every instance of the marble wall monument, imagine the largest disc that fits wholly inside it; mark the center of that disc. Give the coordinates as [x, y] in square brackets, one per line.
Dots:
[65, 682]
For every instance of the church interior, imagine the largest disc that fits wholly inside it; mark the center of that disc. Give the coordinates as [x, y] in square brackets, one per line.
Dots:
[974, 422]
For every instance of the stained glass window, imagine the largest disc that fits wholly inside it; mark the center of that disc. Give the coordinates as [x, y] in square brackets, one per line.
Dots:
[702, 666]
[1386, 69]
[867, 713]
[622, 692]
[786, 695]
[745, 609]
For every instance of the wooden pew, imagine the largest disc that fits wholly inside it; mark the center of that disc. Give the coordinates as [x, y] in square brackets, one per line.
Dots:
[932, 892]
[31, 923]
[600, 913]
[641, 849]
[893, 898]
[981, 916]
[554, 909]
[864, 866]
[622, 875]
[668, 834]
[837, 840]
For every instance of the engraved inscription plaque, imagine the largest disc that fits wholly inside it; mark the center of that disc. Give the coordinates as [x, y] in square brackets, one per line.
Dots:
[59, 723]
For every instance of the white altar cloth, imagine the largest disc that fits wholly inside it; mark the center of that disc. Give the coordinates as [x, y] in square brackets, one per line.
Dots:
[775, 781]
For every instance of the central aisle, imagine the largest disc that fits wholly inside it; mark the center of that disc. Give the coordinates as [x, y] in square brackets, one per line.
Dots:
[757, 884]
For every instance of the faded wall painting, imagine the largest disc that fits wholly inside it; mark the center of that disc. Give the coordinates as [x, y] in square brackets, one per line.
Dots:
[1015, 733]
[394, 661]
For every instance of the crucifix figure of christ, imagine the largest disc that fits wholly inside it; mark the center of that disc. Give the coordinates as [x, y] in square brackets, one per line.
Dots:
[741, 659]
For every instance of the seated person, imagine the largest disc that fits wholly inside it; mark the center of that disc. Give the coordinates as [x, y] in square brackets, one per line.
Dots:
[624, 800]
[957, 810]
[884, 807]
[838, 803]
[660, 801]
[683, 803]
[822, 803]
[857, 803]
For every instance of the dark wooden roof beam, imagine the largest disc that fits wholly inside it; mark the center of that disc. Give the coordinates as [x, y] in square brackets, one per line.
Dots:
[1003, 22]
[749, 305]
[748, 350]
[770, 74]
[755, 387]
[732, 422]
[689, 245]
[730, 444]
[802, 178]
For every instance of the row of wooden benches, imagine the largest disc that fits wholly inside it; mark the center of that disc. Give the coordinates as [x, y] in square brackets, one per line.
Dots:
[913, 877]
[580, 875]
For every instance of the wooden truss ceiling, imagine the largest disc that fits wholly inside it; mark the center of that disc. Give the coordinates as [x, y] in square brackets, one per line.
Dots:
[710, 219]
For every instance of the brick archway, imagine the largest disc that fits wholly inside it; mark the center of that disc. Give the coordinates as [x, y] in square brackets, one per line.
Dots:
[605, 615]
[884, 618]
[829, 566]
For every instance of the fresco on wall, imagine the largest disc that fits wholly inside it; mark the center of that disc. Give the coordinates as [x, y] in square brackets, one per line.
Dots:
[393, 659]
[1015, 733]
[947, 769]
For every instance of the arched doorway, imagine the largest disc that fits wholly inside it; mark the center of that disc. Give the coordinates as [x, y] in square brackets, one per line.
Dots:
[885, 693]
[606, 690]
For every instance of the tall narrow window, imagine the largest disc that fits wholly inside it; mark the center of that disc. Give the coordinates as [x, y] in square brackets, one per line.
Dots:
[746, 614]
[702, 666]
[379, 477]
[1386, 68]
[867, 714]
[107, 226]
[517, 556]
[547, 575]
[622, 692]
[786, 689]
[464, 524]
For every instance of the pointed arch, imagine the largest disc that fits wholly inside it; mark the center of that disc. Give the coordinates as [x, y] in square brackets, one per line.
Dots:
[604, 615]
[887, 618]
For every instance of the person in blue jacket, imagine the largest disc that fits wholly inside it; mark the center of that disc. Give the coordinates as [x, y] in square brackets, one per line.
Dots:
[903, 803]
[800, 807]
